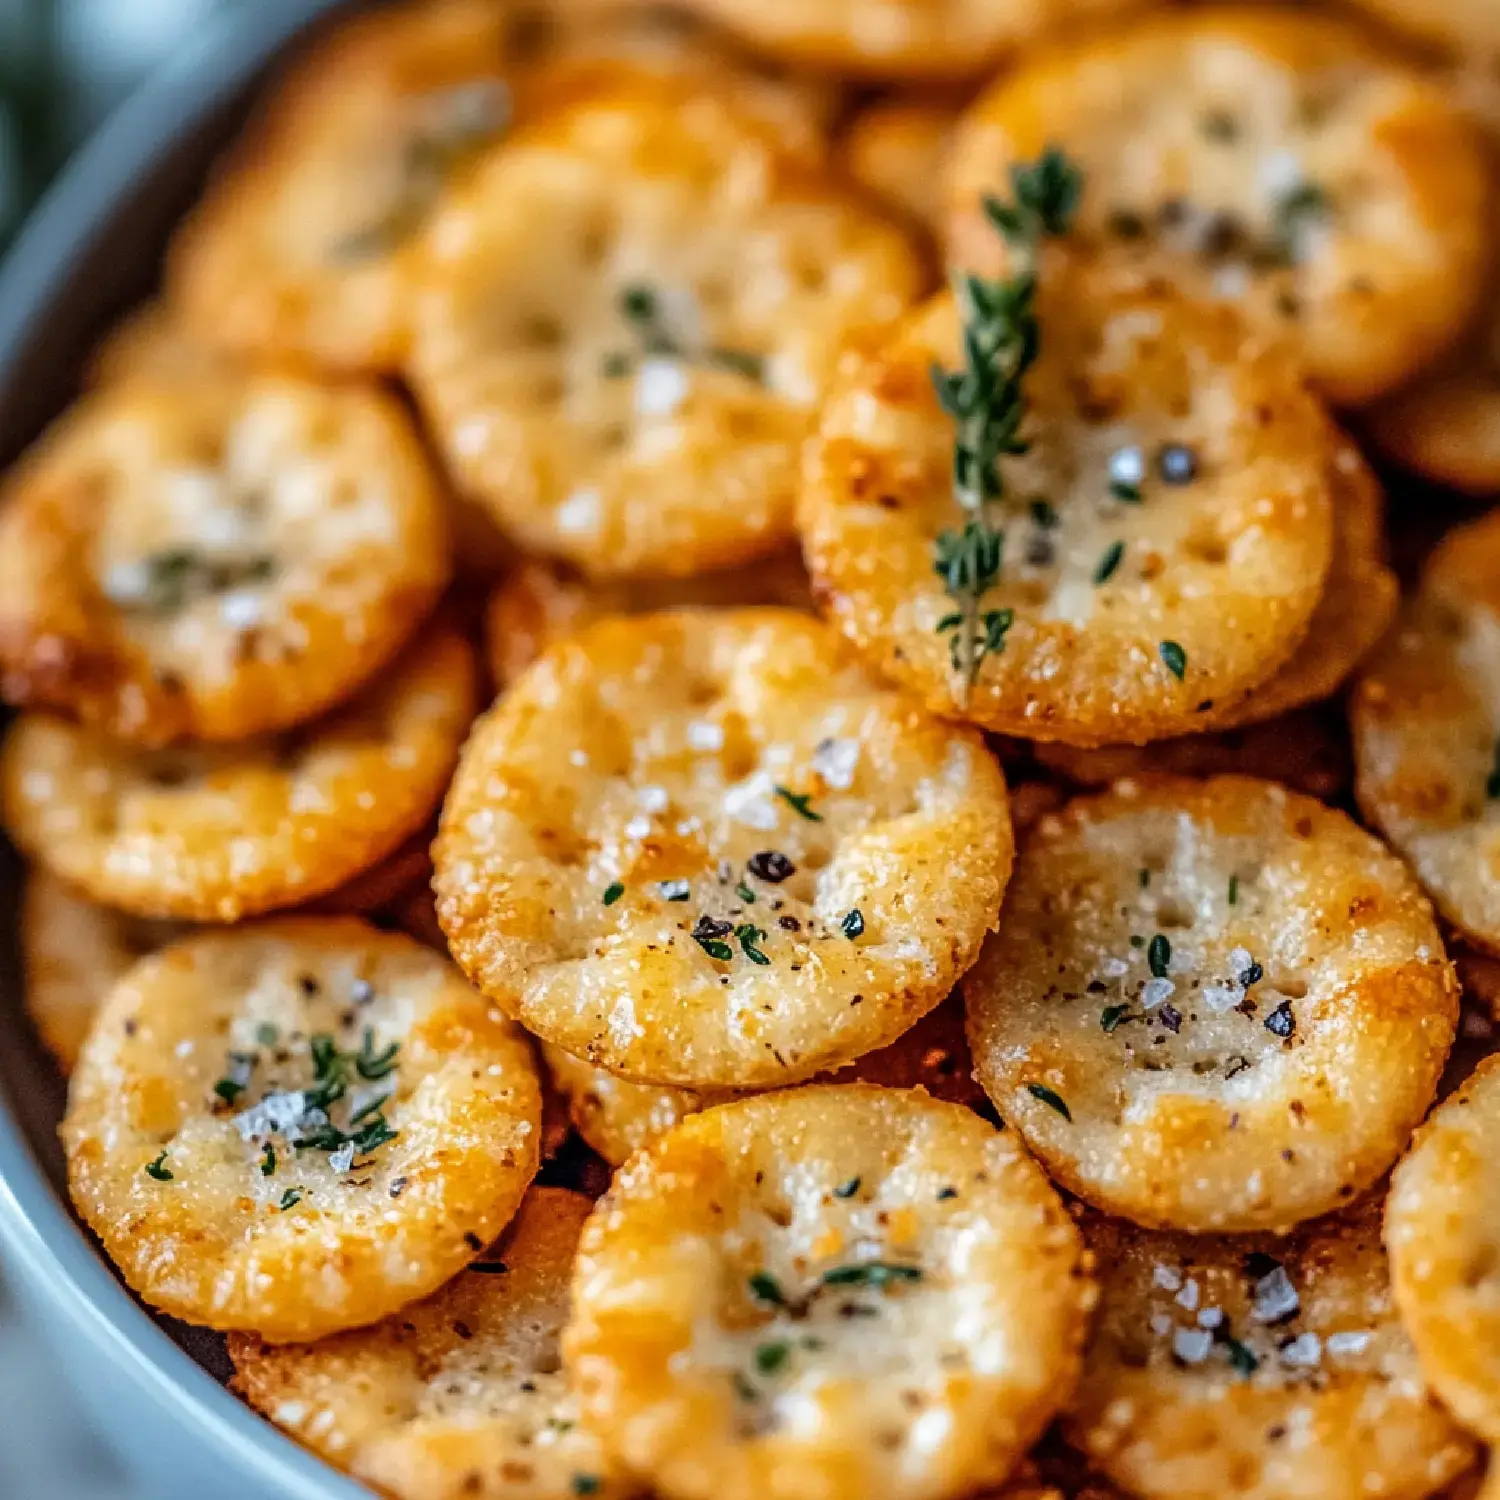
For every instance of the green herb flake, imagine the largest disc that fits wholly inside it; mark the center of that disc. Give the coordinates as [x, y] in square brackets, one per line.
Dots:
[847, 1189]
[1111, 1016]
[612, 892]
[1241, 1360]
[268, 1161]
[745, 894]
[769, 1358]
[743, 1387]
[1126, 494]
[1174, 658]
[1234, 890]
[585, 1484]
[750, 937]
[1051, 1100]
[490, 1267]
[875, 1273]
[800, 803]
[228, 1090]
[675, 890]
[291, 1198]
[764, 1287]
[853, 925]
[266, 1034]
[157, 1170]
[1492, 785]
[1158, 956]
[1109, 563]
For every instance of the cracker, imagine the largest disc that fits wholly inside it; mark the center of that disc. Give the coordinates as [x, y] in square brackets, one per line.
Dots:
[1261, 1368]
[626, 319]
[539, 603]
[838, 1291]
[215, 558]
[216, 833]
[1225, 562]
[1279, 158]
[229, 1142]
[302, 245]
[1211, 1006]
[1442, 1228]
[460, 1397]
[1426, 722]
[708, 849]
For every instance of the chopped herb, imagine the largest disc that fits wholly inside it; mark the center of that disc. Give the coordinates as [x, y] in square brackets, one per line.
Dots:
[1492, 785]
[490, 1267]
[164, 582]
[743, 1388]
[612, 892]
[770, 865]
[769, 1358]
[1174, 658]
[986, 401]
[715, 948]
[638, 303]
[801, 803]
[641, 307]
[1126, 494]
[853, 925]
[764, 1287]
[585, 1484]
[291, 1198]
[1296, 212]
[1145, 878]
[1234, 889]
[745, 893]
[157, 1169]
[268, 1161]
[1220, 126]
[1241, 1360]
[1281, 1022]
[750, 937]
[847, 1189]
[1158, 956]
[1170, 1017]
[1109, 562]
[1043, 514]
[228, 1090]
[871, 1273]
[1111, 1016]
[615, 365]
[1051, 1100]
[675, 890]
[945, 1193]
[738, 362]
[1136, 940]
[266, 1034]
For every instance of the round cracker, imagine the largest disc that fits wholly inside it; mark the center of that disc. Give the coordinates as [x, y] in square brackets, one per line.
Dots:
[1211, 1006]
[197, 1084]
[460, 1397]
[1442, 1229]
[1426, 722]
[618, 1118]
[838, 1291]
[302, 245]
[616, 811]
[1284, 159]
[216, 833]
[1307, 751]
[567, 46]
[1228, 566]
[541, 603]
[933, 39]
[1263, 1368]
[626, 319]
[898, 149]
[215, 558]
[72, 952]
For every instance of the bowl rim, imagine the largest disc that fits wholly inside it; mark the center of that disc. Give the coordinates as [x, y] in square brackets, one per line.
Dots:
[56, 1264]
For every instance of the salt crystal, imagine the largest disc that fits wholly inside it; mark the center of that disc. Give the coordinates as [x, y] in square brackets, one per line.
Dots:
[1155, 991]
[1169, 1278]
[1211, 1317]
[1191, 1345]
[835, 761]
[1127, 466]
[1275, 1297]
[1303, 1352]
[704, 736]
[1221, 997]
[1188, 1296]
[661, 386]
[1338, 1344]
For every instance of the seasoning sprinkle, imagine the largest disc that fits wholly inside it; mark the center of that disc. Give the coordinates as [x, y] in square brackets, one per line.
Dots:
[769, 1358]
[1174, 658]
[1051, 1100]
[1109, 562]
[1281, 1022]
[1111, 1016]
[770, 865]
[290, 1199]
[847, 1189]
[157, 1169]
[764, 1287]
[1234, 889]
[871, 1273]
[612, 892]
[800, 803]
[585, 1484]
[853, 925]
[268, 1161]
[675, 890]
[750, 937]
[1158, 956]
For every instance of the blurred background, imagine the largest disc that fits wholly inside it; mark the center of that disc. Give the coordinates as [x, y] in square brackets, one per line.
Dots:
[63, 65]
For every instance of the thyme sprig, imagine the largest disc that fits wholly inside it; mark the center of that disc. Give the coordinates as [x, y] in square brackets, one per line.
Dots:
[987, 401]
